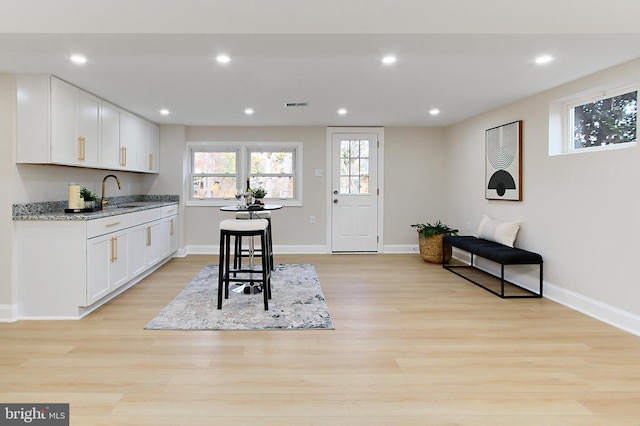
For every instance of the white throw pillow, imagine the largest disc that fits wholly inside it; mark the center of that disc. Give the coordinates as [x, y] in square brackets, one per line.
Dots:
[501, 232]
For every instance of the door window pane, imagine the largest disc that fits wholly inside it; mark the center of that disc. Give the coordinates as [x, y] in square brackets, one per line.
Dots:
[354, 166]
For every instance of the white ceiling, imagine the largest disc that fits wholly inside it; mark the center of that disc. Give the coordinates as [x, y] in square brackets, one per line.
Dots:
[461, 73]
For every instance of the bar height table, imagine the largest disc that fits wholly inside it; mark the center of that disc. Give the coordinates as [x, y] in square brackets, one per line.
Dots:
[252, 210]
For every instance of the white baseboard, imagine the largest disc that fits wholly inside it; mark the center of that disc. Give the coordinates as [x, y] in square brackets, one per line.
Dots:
[601, 311]
[400, 249]
[608, 314]
[8, 313]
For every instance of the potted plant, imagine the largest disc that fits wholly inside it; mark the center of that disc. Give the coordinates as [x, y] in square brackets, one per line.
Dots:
[258, 194]
[430, 237]
[89, 198]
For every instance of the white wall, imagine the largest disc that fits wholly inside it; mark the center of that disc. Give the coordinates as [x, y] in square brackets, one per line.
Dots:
[413, 164]
[579, 211]
[7, 179]
[414, 182]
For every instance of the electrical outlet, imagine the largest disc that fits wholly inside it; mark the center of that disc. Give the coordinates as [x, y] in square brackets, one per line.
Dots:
[312, 219]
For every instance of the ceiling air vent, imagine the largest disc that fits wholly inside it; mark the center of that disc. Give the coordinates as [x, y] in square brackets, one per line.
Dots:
[296, 104]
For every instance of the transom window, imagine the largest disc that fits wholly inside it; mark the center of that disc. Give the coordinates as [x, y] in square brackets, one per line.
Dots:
[598, 119]
[219, 170]
[606, 120]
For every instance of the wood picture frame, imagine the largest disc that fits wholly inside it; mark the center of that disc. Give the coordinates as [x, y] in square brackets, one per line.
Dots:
[503, 162]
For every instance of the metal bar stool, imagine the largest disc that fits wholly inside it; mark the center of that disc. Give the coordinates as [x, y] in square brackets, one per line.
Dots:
[243, 228]
[239, 252]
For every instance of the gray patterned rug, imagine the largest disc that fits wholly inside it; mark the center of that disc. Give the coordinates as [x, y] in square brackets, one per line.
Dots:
[297, 303]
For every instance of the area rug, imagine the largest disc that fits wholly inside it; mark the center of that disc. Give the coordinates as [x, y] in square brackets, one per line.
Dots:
[297, 303]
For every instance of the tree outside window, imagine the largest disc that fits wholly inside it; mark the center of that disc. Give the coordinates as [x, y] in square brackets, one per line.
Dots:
[611, 120]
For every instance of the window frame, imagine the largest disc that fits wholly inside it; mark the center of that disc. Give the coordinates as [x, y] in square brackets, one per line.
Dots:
[258, 149]
[243, 150]
[561, 123]
[592, 98]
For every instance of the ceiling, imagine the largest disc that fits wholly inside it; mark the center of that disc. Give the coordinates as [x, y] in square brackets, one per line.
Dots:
[462, 74]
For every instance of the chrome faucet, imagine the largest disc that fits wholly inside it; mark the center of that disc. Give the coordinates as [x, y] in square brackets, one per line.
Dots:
[103, 200]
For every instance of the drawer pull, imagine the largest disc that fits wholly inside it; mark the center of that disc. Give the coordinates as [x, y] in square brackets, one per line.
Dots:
[108, 225]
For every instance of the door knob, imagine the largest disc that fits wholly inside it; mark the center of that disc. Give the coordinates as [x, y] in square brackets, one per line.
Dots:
[335, 201]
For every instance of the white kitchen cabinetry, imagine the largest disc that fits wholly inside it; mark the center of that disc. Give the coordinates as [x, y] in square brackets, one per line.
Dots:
[59, 123]
[83, 264]
[149, 150]
[131, 136]
[110, 136]
[107, 260]
[154, 240]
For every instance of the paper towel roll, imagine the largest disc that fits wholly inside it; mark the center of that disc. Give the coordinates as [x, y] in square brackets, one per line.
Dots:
[74, 196]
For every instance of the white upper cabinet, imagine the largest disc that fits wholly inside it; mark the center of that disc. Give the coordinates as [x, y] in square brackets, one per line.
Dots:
[88, 129]
[64, 114]
[148, 148]
[130, 137]
[153, 139]
[59, 123]
[110, 136]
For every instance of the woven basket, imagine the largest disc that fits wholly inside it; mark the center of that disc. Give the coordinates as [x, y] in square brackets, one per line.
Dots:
[431, 249]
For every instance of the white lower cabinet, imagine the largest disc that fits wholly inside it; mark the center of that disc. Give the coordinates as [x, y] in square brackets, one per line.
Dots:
[83, 264]
[107, 259]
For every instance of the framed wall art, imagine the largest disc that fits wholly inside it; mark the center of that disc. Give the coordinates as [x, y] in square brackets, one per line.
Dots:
[503, 162]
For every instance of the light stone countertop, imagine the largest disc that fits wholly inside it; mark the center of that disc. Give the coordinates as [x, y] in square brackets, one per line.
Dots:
[117, 206]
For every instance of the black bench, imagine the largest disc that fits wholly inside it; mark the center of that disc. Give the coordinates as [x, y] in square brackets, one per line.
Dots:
[497, 253]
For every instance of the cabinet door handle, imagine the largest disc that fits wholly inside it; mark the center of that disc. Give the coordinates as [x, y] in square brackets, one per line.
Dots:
[81, 148]
[148, 235]
[150, 161]
[114, 249]
[171, 227]
[123, 156]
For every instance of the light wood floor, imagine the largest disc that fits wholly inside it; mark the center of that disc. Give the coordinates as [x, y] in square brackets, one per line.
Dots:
[413, 345]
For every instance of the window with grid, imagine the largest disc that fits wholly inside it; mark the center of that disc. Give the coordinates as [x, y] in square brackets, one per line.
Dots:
[219, 170]
[273, 171]
[354, 166]
[214, 174]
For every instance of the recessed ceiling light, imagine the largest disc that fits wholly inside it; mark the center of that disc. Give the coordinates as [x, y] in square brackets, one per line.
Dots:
[249, 111]
[165, 111]
[544, 59]
[223, 59]
[342, 111]
[78, 59]
[389, 59]
[434, 111]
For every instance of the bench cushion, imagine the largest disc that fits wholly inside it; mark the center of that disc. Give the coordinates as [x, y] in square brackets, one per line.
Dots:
[493, 251]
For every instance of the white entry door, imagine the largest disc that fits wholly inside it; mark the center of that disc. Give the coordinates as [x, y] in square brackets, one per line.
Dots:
[354, 192]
